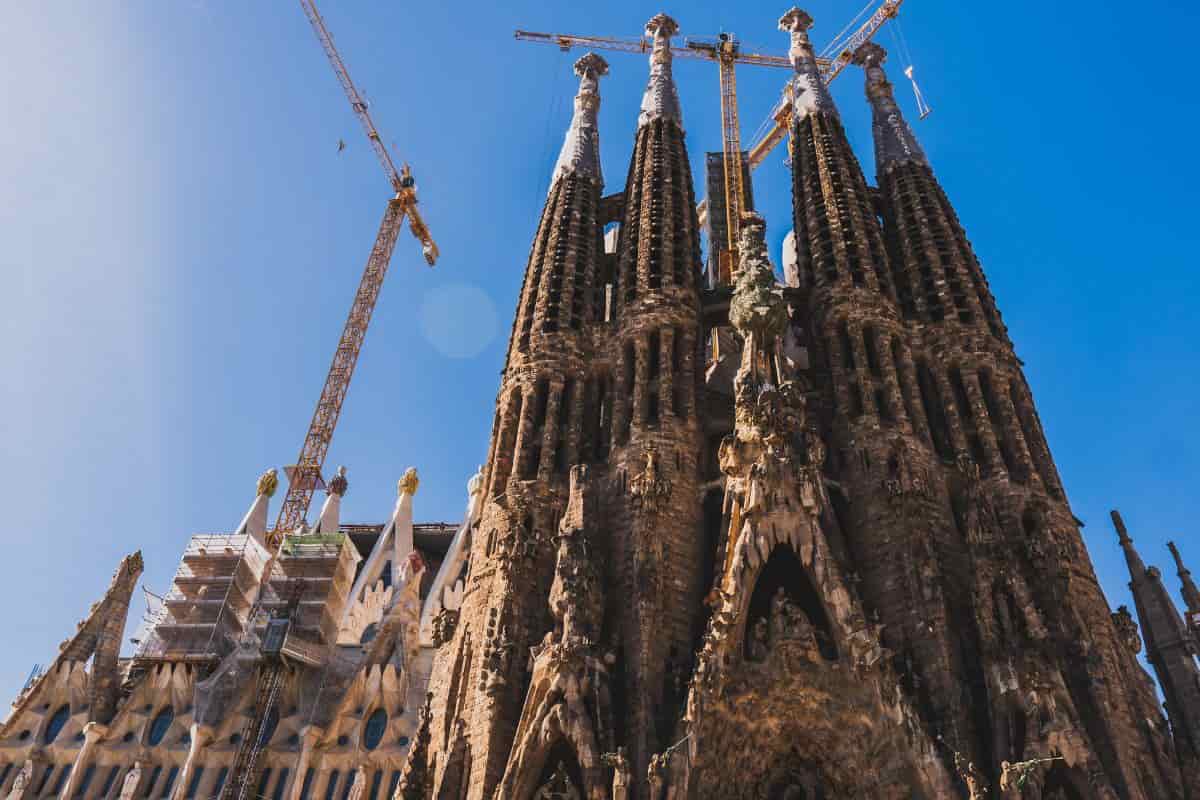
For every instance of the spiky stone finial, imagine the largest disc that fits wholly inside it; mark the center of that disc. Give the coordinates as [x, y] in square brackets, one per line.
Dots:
[894, 139]
[661, 100]
[591, 64]
[409, 483]
[1191, 594]
[580, 152]
[811, 94]
[870, 55]
[268, 482]
[796, 21]
[662, 25]
[757, 308]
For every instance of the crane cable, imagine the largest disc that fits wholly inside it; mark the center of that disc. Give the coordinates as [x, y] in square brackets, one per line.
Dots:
[902, 49]
[833, 45]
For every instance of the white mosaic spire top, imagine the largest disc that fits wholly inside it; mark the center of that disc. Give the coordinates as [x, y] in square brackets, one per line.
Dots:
[581, 148]
[661, 100]
[811, 93]
[894, 139]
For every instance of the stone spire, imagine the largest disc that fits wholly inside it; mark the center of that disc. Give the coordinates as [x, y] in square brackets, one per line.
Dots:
[811, 93]
[254, 523]
[1169, 648]
[1136, 567]
[581, 148]
[1191, 595]
[938, 277]
[894, 139]
[661, 100]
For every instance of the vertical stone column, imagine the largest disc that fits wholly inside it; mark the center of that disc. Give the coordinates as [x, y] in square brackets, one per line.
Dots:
[550, 430]
[309, 737]
[983, 423]
[200, 735]
[93, 733]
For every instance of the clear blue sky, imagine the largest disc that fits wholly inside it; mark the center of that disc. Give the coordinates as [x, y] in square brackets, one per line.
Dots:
[180, 241]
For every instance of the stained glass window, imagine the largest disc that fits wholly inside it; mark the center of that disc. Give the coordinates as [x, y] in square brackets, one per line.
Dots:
[375, 728]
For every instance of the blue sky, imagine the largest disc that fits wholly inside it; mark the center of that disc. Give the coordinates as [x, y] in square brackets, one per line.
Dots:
[181, 241]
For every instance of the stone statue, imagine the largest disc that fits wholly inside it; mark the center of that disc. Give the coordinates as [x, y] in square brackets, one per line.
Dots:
[976, 788]
[622, 774]
[656, 774]
[21, 781]
[559, 787]
[758, 640]
[787, 620]
[650, 490]
[130, 785]
[268, 482]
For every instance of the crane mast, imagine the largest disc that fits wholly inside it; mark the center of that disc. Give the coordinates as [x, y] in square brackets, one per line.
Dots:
[304, 477]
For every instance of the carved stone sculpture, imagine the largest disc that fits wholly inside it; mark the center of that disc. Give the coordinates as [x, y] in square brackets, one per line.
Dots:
[558, 787]
[1127, 629]
[622, 773]
[650, 490]
[21, 782]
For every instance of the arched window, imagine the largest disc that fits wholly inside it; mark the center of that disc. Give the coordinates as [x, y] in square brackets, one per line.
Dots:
[785, 604]
[375, 728]
[56, 723]
[158, 728]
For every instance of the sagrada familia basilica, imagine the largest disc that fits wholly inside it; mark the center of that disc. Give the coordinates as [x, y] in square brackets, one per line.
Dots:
[746, 539]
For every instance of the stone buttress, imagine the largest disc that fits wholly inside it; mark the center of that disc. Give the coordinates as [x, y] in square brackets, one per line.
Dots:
[1171, 648]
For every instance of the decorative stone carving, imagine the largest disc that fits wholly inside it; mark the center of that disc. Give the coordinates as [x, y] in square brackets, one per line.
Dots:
[443, 626]
[790, 624]
[1127, 629]
[905, 479]
[656, 774]
[622, 773]
[268, 482]
[976, 784]
[408, 482]
[558, 787]
[338, 485]
[21, 782]
[650, 490]
[497, 659]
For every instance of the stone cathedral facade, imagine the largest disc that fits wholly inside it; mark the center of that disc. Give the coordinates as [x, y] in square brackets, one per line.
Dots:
[790, 540]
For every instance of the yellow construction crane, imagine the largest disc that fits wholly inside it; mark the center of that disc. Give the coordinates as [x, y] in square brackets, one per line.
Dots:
[304, 477]
[726, 51]
[842, 50]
